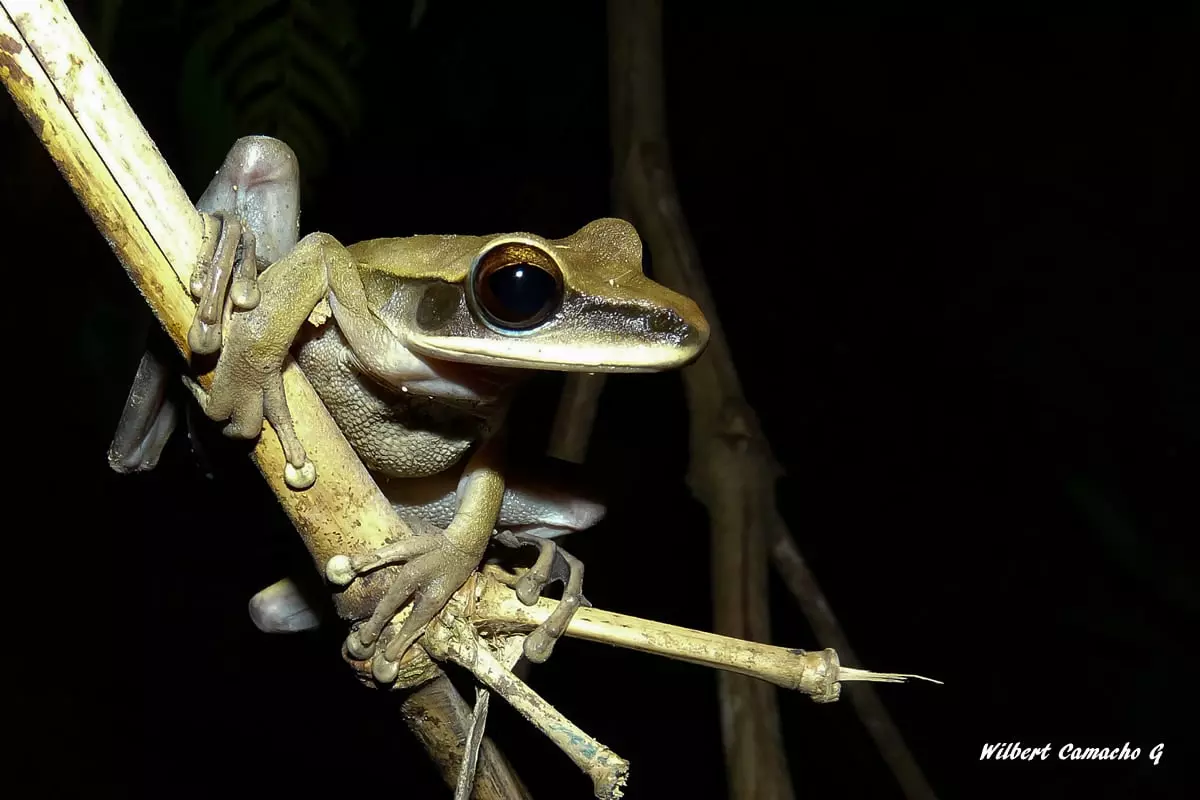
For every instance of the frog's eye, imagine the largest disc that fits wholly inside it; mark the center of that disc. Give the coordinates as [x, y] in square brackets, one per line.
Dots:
[515, 286]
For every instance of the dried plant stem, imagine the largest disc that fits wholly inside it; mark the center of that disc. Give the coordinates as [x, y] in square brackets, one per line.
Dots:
[441, 720]
[104, 153]
[452, 637]
[495, 610]
[466, 773]
[511, 651]
[485, 613]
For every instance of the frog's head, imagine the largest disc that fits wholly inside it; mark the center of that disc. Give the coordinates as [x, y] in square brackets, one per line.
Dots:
[579, 304]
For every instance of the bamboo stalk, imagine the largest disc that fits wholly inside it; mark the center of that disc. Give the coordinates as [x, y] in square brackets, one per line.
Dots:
[135, 200]
[88, 128]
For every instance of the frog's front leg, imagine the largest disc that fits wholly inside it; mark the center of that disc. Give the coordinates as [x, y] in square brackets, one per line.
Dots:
[437, 565]
[537, 505]
[247, 383]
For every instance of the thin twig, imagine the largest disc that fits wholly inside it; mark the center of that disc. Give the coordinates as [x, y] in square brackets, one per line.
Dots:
[104, 153]
[488, 603]
[453, 637]
[485, 613]
[466, 773]
[512, 649]
[427, 709]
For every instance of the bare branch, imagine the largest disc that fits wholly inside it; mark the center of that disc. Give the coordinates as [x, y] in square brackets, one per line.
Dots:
[105, 154]
[486, 614]
[488, 604]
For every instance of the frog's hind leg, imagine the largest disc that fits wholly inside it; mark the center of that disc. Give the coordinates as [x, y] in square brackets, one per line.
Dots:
[253, 208]
[259, 184]
[254, 203]
[147, 421]
[282, 608]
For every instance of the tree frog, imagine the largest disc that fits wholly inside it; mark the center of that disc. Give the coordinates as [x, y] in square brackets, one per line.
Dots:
[415, 346]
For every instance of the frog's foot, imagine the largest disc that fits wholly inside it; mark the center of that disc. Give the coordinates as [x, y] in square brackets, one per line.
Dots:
[147, 421]
[553, 564]
[282, 608]
[225, 278]
[434, 569]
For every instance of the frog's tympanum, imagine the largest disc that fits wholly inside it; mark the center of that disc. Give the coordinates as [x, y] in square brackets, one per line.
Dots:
[414, 345]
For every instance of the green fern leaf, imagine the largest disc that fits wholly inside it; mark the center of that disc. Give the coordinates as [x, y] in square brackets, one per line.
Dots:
[274, 67]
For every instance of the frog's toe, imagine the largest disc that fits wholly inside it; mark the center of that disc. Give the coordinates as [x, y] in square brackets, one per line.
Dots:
[243, 288]
[553, 564]
[246, 421]
[300, 478]
[385, 664]
[226, 275]
[299, 471]
[247, 397]
[363, 641]
[210, 408]
[434, 571]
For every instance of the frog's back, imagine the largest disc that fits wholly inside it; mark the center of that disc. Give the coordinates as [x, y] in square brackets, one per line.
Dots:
[427, 257]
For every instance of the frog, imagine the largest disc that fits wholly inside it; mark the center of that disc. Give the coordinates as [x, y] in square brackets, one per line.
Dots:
[417, 346]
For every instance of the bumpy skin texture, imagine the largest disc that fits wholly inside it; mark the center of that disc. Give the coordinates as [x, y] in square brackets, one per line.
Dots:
[395, 434]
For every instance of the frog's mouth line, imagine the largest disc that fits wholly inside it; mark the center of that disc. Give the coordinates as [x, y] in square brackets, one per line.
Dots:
[558, 358]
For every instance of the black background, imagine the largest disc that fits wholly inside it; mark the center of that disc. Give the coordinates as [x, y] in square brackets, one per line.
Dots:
[956, 261]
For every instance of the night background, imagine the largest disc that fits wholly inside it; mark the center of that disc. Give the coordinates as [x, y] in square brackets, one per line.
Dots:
[956, 262]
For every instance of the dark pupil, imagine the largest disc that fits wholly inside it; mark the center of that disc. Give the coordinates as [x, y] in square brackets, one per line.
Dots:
[518, 293]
